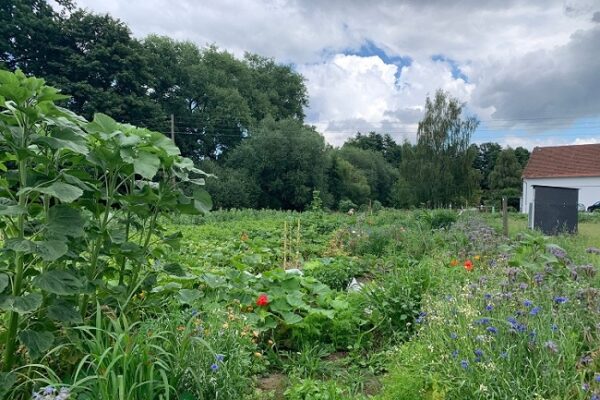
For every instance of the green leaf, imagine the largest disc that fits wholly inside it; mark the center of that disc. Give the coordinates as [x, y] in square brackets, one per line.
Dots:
[295, 299]
[36, 342]
[291, 318]
[188, 296]
[11, 210]
[174, 269]
[20, 245]
[320, 311]
[65, 139]
[21, 304]
[7, 381]
[3, 282]
[146, 164]
[58, 282]
[51, 250]
[339, 304]
[102, 123]
[213, 281]
[65, 221]
[202, 200]
[62, 191]
[64, 312]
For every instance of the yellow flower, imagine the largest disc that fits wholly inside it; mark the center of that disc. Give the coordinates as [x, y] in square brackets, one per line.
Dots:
[477, 257]
[257, 354]
[225, 325]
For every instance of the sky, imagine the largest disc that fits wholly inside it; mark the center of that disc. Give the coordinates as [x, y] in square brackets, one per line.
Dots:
[528, 69]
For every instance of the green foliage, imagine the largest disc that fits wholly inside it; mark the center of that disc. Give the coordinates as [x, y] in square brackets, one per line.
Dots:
[505, 178]
[439, 167]
[286, 160]
[314, 390]
[335, 272]
[81, 207]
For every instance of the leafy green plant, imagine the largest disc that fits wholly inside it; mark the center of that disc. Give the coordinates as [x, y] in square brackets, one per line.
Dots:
[79, 208]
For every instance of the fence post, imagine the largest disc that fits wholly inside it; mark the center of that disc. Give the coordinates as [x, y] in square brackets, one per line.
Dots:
[505, 216]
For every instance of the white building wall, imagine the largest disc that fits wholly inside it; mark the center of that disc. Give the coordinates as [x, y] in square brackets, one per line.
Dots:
[589, 189]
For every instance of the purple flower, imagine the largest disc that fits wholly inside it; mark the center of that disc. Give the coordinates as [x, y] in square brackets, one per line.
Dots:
[535, 310]
[482, 321]
[554, 327]
[421, 317]
[527, 303]
[478, 352]
[595, 396]
[489, 307]
[214, 367]
[538, 278]
[597, 378]
[487, 296]
[453, 335]
[523, 286]
[504, 354]
[48, 390]
[561, 300]
[455, 354]
[464, 364]
[220, 357]
[492, 330]
[585, 387]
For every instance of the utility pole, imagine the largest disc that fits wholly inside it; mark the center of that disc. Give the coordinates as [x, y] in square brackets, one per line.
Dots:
[173, 128]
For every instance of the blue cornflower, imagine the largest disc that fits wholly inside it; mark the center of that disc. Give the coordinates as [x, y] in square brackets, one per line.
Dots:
[523, 286]
[535, 310]
[492, 329]
[478, 352]
[220, 357]
[504, 354]
[512, 320]
[455, 354]
[464, 364]
[560, 299]
[595, 396]
[597, 378]
[214, 367]
[453, 335]
[421, 317]
[533, 334]
[482, 321]
[49, 390]
[487, 296]
[194, 313]
[489, 307]
[449, 298]
[527, 303]
[554, 327]
[538, 278]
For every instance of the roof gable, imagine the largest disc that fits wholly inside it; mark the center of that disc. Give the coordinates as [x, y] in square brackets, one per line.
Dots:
[564, 161]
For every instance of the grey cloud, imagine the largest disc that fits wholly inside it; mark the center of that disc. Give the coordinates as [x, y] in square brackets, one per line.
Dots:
[563, 82]
[405, 115]
[596, 16]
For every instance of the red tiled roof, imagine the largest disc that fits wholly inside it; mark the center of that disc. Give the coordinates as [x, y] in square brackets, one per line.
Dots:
[564, 161]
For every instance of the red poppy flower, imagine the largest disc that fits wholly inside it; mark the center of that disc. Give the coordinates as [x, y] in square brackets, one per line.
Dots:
[468, 265]
[262, 300]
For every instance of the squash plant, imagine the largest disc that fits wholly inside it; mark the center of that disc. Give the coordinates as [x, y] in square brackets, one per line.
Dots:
[80, 205]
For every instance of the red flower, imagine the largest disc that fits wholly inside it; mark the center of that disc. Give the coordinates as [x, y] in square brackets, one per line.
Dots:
[468, 265]
[262, 300]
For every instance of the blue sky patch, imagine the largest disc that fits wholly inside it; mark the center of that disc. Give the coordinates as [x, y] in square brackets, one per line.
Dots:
[456, 72]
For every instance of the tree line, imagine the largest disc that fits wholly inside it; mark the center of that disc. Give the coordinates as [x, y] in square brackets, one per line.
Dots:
[242, 119]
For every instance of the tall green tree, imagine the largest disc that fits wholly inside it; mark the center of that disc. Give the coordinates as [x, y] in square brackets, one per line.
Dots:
[440, 167]
[487, 153]
[345, 182]
[522, 155]
[383, 144]
[505, 179]
[286, 160]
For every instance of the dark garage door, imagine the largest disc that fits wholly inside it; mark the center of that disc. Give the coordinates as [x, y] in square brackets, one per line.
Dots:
[555, 209]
